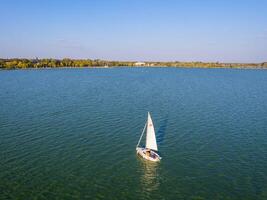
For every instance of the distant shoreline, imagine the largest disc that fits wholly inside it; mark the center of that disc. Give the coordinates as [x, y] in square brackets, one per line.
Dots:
[102, 67]
[20, 63]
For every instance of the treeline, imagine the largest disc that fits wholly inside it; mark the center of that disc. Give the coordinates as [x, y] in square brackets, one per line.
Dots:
[214, 65]
[17, 63]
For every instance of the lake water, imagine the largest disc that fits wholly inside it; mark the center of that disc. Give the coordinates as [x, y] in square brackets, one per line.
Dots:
[71, 133]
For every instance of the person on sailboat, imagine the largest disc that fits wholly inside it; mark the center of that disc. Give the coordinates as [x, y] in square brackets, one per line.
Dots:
[148, 152]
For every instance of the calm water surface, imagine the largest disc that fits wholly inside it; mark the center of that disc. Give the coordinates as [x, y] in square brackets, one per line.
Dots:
[71, 133]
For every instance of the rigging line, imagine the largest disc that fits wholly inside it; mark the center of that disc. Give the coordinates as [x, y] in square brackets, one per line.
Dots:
[141, 136]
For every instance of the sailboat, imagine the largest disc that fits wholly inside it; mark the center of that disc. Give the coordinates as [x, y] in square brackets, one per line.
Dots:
[149, 151]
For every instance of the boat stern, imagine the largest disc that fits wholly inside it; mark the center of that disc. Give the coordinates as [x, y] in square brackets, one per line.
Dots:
[142, 152]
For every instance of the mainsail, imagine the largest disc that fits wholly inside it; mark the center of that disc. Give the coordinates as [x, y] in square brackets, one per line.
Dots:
[151, 142]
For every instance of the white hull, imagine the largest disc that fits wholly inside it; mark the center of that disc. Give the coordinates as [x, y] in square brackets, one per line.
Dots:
[142, 152]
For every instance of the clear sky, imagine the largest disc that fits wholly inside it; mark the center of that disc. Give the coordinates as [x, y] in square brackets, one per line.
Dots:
[142, 30]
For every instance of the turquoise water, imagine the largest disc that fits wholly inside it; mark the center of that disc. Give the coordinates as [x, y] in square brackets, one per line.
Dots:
[71, 133]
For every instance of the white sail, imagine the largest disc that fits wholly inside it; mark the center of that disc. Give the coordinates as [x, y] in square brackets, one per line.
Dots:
[151, 142]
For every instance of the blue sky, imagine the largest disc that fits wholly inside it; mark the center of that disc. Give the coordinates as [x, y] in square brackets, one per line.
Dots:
[143, 30]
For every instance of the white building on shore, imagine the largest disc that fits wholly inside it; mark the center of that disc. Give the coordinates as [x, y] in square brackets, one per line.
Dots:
[139, 64]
